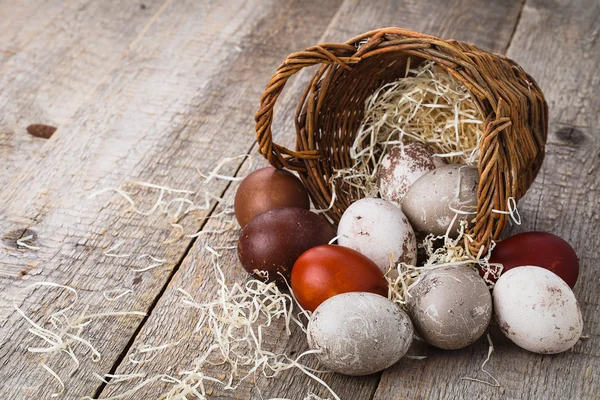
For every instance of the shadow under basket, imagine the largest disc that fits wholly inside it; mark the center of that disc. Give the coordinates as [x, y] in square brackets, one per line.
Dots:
[332, 107]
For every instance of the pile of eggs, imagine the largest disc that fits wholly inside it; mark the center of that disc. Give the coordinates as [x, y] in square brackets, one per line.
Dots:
[354, 327]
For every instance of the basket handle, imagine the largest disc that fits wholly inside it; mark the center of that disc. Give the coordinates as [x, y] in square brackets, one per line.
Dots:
[326, 54]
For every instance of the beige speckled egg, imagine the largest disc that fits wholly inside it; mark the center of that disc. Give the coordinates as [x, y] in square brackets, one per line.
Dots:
[430, 202]
[378, 228]
[402, 166]
[537, 310]
[451, 307]
[359, 333]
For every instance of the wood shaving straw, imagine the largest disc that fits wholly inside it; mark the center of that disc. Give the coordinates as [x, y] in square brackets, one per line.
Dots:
[427, 105]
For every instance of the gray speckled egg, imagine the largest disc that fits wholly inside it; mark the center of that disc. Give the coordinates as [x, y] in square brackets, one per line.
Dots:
[430, 201]
[359, 333]
[402, 166]
[537, 310]
[451, 307]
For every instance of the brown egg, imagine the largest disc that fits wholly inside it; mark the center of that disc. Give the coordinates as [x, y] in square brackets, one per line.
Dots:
[272, 242]
[267, 189]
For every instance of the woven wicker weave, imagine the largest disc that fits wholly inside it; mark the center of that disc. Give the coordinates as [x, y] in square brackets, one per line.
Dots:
[332, 106]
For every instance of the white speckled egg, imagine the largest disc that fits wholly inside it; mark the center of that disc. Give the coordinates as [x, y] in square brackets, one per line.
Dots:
[430, 202]
[359, 333]
[451, 307]
[376, 228]
[402, 166]
[537, 310]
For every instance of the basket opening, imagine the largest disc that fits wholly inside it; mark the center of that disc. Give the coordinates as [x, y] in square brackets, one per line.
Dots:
[343, 107]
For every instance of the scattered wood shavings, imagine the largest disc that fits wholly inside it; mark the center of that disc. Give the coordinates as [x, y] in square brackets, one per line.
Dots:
[22, 242]
[452, 252]
[55, 375]
[157, 262]
[60, 332]
[231, 326]
[309, 396]
[116, 378]
[116, 246]
[118, 294]
[513, 212]
[183, 204]
[215, 171]
[495, 382]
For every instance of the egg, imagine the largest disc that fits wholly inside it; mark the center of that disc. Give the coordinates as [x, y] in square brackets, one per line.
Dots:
[450, 306]
[541, 249]
[272, 242]
[402, 166]
[325, 271]
[359, 333]
[378, 229]
[267, 189]
[537, 310]
[430, 202]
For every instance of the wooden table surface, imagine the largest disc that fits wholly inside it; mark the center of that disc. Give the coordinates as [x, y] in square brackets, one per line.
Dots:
[162, 90]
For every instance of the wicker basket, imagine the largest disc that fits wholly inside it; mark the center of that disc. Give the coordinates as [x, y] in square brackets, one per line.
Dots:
[332, 106]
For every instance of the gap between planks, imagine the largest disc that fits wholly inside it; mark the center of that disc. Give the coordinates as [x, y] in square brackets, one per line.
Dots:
[135, 334]
[517, 22]
[191, 244]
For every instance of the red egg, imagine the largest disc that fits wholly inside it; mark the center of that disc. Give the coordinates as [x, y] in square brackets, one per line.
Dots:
[539, 249]
[325, 271]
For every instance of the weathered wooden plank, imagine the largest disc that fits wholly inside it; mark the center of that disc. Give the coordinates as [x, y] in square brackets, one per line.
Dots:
[55, 55]
[179, 100]
[169, 322]
[557, 43]
[21, 22]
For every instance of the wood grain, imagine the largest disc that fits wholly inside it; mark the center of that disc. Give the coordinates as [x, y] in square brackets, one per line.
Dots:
[56, 54]
[170, 323]
[182, 96]
[177, 102]
[21, 22]
[565, 200]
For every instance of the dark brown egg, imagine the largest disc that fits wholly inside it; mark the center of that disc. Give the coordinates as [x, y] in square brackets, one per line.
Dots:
[272, 242]
[267, 189]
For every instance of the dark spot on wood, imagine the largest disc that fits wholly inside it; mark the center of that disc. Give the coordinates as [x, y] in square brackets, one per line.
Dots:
[143, 6]
[10, 239]
[571, 135]
[41, 130]
[137, 279]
